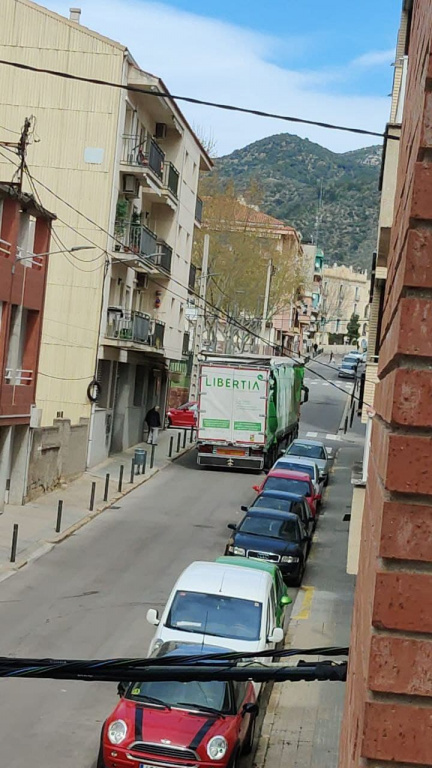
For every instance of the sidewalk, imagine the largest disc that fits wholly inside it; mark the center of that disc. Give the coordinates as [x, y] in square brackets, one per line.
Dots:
[37, 519]
[302, 721]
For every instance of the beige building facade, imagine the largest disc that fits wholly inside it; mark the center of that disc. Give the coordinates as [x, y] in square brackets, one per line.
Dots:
[120, 169]
[344, 292]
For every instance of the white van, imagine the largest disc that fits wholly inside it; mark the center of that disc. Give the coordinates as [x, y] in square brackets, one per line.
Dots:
[218, 604]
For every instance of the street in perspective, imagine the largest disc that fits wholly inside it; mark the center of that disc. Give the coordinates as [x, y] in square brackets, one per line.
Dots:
[215, 378]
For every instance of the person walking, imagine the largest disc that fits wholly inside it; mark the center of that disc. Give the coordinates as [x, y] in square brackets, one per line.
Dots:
[153, 420]
[331, 357]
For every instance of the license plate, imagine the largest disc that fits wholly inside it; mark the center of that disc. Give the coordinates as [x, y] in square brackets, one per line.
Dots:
[230, 452]
[148, 765]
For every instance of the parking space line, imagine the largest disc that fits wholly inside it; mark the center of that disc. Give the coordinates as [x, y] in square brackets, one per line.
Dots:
[303, 613]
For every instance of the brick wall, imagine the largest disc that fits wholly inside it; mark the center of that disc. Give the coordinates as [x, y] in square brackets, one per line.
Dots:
[388, 707]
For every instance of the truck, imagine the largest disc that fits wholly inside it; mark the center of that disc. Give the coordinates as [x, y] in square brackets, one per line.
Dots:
[248, 409]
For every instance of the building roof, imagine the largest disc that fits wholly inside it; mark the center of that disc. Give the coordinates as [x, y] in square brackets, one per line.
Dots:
[28, 202]
[251, 215]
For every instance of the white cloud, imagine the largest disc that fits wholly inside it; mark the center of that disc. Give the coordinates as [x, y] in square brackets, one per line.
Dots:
[375, 59]
[202, 57]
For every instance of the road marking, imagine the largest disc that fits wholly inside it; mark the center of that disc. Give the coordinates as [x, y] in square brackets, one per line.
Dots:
[325, 384]
[308, 593]
[311, 434]
[333, 437]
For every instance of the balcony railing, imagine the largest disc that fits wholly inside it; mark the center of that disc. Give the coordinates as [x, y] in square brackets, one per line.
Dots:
[198, 210]
[192, 278]
[163, 256]
[134, 238]
[156, 338]
[18, 377]
[129, 326]
[143, 153]
[171, 178]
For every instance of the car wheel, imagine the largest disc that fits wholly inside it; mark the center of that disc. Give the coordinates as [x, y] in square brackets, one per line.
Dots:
[233, 763]
[299, 578]
[326, 481]
[249, 741]
[168, 423]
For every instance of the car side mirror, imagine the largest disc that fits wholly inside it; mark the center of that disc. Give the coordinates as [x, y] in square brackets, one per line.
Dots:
[153, 617]
[285, 600]
[232, 526]
[121, 689]
[276, 636]
[256, 488]
[250, 709]
[244, 508]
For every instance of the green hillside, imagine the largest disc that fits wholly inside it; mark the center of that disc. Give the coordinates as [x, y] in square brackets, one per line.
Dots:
[290, 172]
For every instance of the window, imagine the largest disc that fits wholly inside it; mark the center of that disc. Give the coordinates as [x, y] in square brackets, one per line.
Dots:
[307, 451]
[195, 694]
[139, 386]
[216, 615]
[273, 502]
[239, 688]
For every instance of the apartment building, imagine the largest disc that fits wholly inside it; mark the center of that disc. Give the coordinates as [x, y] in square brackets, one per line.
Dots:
[345, 292]
[25, 232]
[122, 168]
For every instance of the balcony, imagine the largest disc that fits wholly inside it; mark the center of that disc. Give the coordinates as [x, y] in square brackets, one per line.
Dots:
[171, 178]
[140, 240]
[145, 154]
[18, 377]
[134, 327]
[198, 210]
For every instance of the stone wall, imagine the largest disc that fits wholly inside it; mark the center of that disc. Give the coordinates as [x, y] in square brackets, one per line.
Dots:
[58, 454]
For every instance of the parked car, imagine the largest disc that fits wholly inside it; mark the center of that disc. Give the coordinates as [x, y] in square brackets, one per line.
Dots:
[348, 368]
[213, 603]
[285, 502]
[276, 537]
[183, 416]
[314, 450]
[179, 724]
[282, 597]
[290, 481]
[303, 465]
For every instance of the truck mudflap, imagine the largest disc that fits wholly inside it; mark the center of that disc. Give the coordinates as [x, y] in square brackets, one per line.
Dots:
[231, 462]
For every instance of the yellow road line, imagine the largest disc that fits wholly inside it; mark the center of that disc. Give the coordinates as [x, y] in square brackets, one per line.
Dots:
[306, 605]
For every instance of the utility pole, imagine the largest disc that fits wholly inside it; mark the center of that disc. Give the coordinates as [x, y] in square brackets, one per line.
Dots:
[199, 326]
[21, 149]
[266, 304]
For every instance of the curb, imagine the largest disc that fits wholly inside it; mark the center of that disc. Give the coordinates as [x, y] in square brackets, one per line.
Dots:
[47, 545]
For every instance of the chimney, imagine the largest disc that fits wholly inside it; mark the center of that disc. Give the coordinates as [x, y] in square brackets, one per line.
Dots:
[75, 14]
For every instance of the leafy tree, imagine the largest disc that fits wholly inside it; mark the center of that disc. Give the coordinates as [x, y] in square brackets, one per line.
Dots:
[241, 244]
[353, 329]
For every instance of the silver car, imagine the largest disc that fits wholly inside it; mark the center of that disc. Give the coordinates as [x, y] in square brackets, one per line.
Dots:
[313, 450]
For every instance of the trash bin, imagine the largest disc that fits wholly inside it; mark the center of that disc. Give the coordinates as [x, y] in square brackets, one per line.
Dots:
[140, 458]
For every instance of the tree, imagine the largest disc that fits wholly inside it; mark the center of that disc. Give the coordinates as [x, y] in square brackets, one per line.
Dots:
[242, 241]
[353, 329]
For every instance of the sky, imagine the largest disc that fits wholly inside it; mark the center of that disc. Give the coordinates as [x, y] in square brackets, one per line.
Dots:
[321, 60]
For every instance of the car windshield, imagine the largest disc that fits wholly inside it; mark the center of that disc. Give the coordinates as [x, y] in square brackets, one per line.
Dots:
[299, 467]
[307, 451]
[216, 615]
[213, 694]
[272, 527]
[273, 502]
[349, 363]
[300, 487]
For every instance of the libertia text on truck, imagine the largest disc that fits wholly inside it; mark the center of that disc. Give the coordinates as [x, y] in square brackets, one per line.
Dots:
[248, 410]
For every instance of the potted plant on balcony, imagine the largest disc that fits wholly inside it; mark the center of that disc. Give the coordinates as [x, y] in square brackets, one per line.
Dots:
[120, 221]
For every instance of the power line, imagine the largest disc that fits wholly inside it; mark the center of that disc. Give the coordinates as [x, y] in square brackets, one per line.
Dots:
[191, 100]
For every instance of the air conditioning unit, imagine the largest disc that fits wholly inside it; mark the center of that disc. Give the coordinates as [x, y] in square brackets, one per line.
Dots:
[142, 281]
[161, 131]
[131, 185]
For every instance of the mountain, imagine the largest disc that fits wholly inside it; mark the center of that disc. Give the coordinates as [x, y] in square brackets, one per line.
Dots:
[290, 172]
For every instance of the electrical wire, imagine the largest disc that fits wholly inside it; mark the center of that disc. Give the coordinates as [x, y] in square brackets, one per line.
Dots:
[191, 100]
[3, 127]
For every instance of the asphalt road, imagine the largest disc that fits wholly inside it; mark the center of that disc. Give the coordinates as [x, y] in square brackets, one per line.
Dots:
[88, 597]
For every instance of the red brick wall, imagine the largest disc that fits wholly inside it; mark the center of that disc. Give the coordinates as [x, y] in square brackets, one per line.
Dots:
[387, 719]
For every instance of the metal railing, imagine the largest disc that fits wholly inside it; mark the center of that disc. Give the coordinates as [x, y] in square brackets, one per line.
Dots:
[18, 377]
[134, 238]
[198, 210]
[171, 178]
[129, 326]
[163, 256]
[156, 338]
[145, 153]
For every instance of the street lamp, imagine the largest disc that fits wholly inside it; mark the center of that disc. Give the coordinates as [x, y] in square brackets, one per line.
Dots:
[33, 256]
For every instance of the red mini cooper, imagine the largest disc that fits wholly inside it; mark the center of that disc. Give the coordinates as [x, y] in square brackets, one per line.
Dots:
[180, 724]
